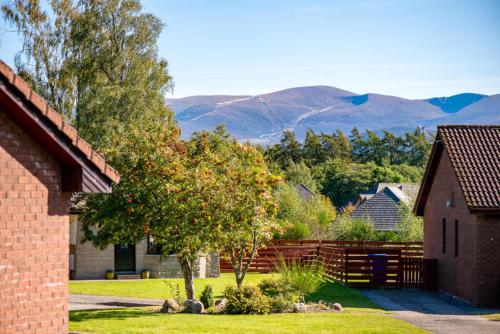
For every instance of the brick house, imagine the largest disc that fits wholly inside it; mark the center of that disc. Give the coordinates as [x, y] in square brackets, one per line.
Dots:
[460, 202]
[42, 162]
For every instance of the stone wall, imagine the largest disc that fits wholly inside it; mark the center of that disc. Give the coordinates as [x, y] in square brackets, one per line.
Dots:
[91, 262]
[168, 267]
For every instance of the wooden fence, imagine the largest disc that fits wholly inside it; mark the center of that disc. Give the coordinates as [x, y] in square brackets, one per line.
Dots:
[353, 263]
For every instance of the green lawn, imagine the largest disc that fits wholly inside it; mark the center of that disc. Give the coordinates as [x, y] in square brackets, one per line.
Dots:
[156, 288]
[160, 289]
[360, 316]
[137, 320]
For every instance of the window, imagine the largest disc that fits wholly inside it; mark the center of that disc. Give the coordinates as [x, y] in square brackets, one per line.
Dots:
[456, 237]
[444, 235]
[153, 249]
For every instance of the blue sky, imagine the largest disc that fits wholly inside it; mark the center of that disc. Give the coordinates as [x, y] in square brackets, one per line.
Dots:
[408, 48]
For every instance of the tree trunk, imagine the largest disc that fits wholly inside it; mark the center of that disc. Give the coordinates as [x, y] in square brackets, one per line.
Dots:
[240, 270]
[239, 278]
[187, 272]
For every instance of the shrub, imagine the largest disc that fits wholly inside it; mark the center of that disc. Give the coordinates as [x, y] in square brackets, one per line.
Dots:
[411, 227]
[303, 218]
[281, 303]
[282, 296]
[207, 296]
[347, 228]
[175, 291]
[301, 277]
[272, 287]
[246, 300]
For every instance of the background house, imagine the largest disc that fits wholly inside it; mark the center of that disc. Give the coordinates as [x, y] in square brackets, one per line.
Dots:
[460, 202]
[127, 261]
[381, 204]
[42, 162]
[304, 192]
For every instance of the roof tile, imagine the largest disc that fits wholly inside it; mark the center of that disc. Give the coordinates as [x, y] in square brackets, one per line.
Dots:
[474, 151]
[70, 132]
[22, 86]
[38, 102]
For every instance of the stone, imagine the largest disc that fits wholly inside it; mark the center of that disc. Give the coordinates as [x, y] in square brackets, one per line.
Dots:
[337, 307]
[170, 306]
[220, 305]
[193, 306]
[308, 308]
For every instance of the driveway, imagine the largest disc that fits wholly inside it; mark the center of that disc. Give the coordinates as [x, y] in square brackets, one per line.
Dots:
[434, 312]
[91, 302]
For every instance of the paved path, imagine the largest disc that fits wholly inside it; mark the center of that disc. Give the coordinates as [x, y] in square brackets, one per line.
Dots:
[434, 312]
[91, 302]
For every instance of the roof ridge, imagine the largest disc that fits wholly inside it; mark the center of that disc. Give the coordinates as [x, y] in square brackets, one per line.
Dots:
[56, 119]
[469, 126]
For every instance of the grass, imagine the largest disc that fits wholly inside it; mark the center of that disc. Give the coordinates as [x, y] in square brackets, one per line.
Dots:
[144, 320]
[492, 317]
[360, 316]
[157, 288]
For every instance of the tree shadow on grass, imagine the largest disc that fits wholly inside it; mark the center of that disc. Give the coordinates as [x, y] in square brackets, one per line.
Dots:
[337, 293]
[111, 314]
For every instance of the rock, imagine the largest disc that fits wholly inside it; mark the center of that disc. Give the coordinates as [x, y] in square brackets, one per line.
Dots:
[297, 307]
[337, 307]
[308, 308]
[193, 306]
[170, 306]
[220, 305]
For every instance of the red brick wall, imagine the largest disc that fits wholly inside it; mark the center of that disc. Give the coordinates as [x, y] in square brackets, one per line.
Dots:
[33, 237]
[457, 275]
[489, 261]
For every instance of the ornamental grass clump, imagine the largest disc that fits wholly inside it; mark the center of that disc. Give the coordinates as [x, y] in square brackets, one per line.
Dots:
[305, 278]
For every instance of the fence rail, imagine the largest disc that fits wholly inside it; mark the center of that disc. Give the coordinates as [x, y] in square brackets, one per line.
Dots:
[353, 263]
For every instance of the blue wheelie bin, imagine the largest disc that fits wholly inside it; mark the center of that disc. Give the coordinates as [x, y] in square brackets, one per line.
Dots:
[379, 268]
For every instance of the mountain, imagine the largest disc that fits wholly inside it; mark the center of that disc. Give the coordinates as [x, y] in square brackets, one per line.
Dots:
[262, 118]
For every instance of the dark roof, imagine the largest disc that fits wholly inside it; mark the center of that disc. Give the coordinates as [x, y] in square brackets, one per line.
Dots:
[382, 208]
[474, 151]
[84, 170]
[409, 190]
[304, 192]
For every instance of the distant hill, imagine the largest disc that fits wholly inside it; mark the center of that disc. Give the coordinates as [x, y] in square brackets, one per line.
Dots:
[262, 118]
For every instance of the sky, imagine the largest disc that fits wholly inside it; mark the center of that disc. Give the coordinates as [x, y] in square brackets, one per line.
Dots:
[408, 48]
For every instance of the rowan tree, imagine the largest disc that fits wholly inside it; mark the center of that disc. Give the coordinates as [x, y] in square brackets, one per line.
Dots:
[247, 219]
[168, 190]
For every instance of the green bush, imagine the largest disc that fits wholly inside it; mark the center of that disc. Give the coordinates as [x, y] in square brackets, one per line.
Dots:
[272, 287]
[207, 296]
[411, 227]
[347, 228]
[303, 218]
[246, 300]
[282, 296]
[281, 303]
[304, 278]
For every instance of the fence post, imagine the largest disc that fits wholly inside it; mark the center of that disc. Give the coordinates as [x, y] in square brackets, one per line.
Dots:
[400, 271]
[346, 267]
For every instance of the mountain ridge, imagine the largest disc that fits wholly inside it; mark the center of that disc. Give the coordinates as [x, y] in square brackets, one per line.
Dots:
[262, 118]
